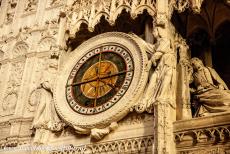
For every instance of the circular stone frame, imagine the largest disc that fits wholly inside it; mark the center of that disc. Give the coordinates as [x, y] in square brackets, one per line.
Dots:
[137, 50]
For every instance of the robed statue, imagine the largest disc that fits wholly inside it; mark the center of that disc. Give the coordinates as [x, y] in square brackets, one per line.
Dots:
[210, 94]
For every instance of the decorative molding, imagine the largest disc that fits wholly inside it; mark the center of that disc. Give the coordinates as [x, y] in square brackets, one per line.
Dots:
[202, 132]
[182, 5]
[90, 12]
[135, 145]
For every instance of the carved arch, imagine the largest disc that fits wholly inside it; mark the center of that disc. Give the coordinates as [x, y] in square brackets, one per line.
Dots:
[110, 10]
[19, 49]
[118, 11]
[97, 19]
[46, 43]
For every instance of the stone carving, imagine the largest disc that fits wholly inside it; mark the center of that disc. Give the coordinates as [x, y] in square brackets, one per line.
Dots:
[160, 87]
[159, 97]
[31, 5]
[210, 93]
[203, 133]
[9, 103]
[46, 44]
[181, 5]
[90, 12]
[194, 5]
[19, 49]
[10, 10]
[132, 145]
[46, 118]
[34, 99]
[184, 79]
[15, 77]
[98, 134]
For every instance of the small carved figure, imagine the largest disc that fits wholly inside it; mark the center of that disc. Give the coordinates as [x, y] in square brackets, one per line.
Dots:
[210, 93]
[46, 118]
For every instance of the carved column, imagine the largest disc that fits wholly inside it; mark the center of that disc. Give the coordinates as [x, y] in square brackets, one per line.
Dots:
[164, 111]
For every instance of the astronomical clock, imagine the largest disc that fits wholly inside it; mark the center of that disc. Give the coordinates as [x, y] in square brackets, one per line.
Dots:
[101, 81]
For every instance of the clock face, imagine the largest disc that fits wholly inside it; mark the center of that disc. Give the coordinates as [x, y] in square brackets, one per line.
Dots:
[99, 79]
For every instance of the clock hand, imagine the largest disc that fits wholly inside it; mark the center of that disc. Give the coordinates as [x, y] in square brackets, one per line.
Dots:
[104, 77]
[115, 74]
[99, 67]
[95, 101]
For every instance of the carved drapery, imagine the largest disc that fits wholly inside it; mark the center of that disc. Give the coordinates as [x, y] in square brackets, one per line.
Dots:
[90, 12]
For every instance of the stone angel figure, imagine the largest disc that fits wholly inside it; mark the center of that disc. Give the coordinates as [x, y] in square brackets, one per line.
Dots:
[46, 118]
[210, 94]
[161, 85]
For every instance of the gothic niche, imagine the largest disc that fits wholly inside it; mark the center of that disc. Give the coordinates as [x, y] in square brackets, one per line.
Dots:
[124, 23]
[207, 34]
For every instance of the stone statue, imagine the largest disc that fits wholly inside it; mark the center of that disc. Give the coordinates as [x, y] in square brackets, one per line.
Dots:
[210, 93]
[184, 71]
[160, 86]
[46, 118]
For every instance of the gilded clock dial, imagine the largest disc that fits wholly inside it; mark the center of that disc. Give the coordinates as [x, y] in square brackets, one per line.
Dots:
[99, 79]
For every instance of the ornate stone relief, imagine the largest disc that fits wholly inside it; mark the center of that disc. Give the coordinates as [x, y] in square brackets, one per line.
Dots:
[20, 49]
[30, 6]
[15, 76]
[208, 134]
[13, 85]
[46, 119]
[132, 145]
[10, 11]
[34, 100]
[45, 44]
[9, 103]
[194, 5]
[90, 12]
[35, 94]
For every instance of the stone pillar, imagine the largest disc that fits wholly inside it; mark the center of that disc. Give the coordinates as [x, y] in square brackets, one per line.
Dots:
[208, 57]
[148, 32]
[164, 111]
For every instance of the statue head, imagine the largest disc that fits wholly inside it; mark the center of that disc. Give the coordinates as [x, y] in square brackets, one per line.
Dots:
[159, 32]
[196, 63]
